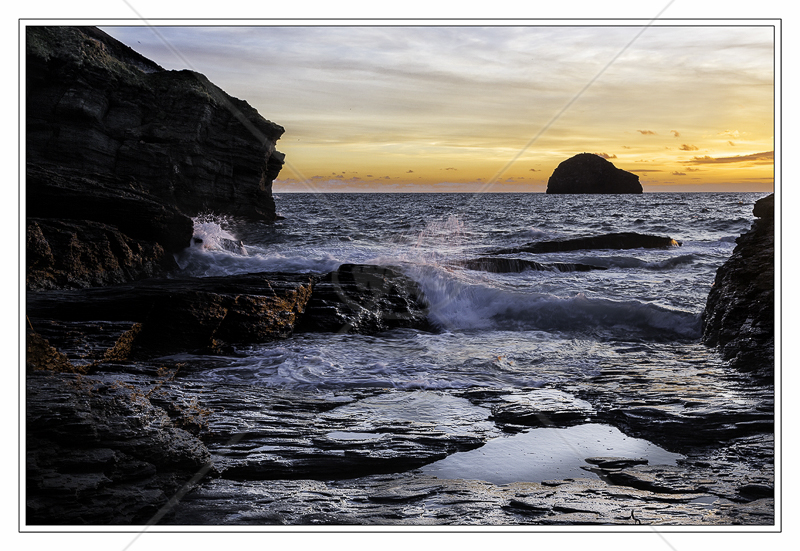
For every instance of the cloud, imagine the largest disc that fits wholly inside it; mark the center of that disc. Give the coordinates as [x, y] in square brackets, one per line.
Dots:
[686, 147]
[676, 173]
[449, 168]
[646, 170]
[410, 172]
[646, 132]
[731, 143]
[730, 133]
[606, 155]
[676, 133]
[534, 170]
[767, 157]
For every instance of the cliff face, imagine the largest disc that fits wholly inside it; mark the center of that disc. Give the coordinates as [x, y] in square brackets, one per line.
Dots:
[739, 316]
[590, 173]
[113, 138]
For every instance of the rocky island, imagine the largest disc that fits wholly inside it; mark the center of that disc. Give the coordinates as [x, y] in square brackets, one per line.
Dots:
[590, 173]
[121, 155]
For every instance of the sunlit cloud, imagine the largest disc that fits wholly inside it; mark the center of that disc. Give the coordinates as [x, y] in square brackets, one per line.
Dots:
[766, 157]
[686, 147]
[606, 155]
[374, 99]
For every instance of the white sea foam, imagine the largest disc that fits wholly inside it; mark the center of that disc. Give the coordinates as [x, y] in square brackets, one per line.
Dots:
[459, 303]
[632, 262]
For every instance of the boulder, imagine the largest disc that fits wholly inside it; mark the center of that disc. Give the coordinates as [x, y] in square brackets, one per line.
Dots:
[739, 317]
[365, 299]
[590, 173]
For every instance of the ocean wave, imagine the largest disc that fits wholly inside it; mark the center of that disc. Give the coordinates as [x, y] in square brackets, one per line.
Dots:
[458, 304]
[637, 263]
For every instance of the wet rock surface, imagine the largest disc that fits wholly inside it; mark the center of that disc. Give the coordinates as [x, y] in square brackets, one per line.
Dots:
[120, 153]
[101, 453]
[590, 173]
[739, 317]
[353, 456]
[360, 298]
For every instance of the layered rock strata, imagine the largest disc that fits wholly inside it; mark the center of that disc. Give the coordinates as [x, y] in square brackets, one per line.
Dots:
[213, 313]
[112, 138]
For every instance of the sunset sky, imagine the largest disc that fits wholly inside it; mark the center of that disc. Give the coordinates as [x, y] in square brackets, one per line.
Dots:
[494, 108]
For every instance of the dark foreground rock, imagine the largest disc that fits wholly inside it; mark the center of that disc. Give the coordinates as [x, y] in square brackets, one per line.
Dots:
[590, 173]
[350, 456]
[622, 240]
[113, 139]
[101, 453]
[739, 317]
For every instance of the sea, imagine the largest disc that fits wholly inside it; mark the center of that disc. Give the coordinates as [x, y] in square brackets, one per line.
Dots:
[493, 329]
[529, 329]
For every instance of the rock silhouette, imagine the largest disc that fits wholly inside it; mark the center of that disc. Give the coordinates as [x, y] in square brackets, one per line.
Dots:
[590, 173]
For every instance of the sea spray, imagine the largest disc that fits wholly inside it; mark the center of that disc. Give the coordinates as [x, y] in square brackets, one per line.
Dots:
[459, 302]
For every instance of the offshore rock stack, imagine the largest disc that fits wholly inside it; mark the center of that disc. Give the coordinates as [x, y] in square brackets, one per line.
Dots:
[590, 173]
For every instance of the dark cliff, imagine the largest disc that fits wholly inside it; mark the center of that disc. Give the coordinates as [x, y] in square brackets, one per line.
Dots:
[590, 173]
[120, 153]
[739, 317]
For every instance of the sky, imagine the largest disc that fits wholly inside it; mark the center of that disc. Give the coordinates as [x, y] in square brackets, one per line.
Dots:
[478, 107]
